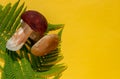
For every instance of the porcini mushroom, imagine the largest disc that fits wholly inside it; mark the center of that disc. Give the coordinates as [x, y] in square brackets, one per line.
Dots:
[45, 45]
[32, 21]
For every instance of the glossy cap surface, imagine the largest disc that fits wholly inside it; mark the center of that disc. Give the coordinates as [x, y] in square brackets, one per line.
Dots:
[35, 20]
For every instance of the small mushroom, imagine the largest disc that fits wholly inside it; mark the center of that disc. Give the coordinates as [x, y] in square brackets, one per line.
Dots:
[32, 21]
[45, 45]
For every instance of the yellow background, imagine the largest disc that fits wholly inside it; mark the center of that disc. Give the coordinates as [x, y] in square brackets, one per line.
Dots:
[91, 38]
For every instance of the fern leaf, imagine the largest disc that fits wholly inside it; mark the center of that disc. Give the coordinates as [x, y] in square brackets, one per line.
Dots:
[8, 69]
[14, 18]
[4, 13]
[24, 52]
[60, 33]
[52, 27]
[16, 24]
[53, 71]
[52, 62]
[8, 17]
[2, 44]
[27, 70]
[18, 70]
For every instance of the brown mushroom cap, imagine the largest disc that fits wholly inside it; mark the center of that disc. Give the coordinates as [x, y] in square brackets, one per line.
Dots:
[35, 20]
[45, 45]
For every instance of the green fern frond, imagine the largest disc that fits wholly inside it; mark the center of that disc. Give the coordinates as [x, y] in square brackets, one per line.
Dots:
[8, 69]
[55, 70]
[4, 12]
[17, 20]
[18, 70]
[8, 17]
[52, 27]
[12, 20]
[60, 33]
[27, 70]
[57, 76]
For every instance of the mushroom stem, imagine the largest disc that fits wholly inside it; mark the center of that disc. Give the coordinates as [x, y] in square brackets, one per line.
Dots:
[19, 37]
[35, 36]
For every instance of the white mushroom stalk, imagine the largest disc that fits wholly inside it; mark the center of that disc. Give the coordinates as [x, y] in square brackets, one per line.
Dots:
[19, 37]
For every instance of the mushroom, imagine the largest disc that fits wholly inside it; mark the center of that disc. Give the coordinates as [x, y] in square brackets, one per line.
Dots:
[32, 21]
[45, 45]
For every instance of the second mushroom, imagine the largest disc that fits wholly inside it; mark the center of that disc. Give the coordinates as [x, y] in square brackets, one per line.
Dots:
[45, 45]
